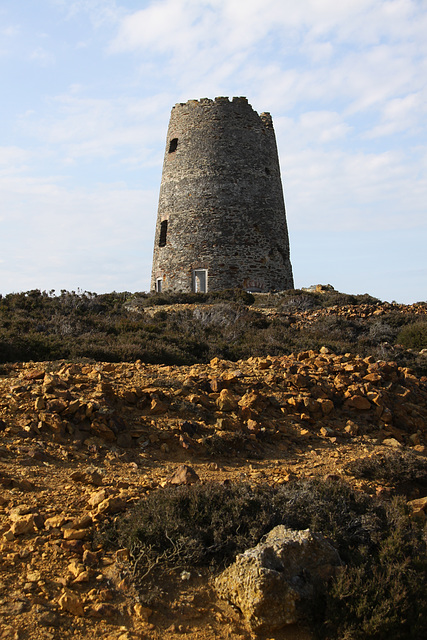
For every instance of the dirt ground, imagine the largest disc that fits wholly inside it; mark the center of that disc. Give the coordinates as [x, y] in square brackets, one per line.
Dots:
[82, 442]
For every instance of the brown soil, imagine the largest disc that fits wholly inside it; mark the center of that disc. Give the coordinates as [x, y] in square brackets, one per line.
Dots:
[80, 442]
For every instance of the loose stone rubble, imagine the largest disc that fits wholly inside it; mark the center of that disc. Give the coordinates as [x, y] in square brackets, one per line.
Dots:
[80, 442]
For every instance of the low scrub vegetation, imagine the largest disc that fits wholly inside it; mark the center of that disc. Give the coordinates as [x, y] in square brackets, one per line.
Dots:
[303, 300]
[396, 468]
[380, 592]
[414, 336]
[118, 327]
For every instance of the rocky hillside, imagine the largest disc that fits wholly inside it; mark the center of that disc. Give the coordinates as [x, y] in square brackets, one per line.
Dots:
[83, 442]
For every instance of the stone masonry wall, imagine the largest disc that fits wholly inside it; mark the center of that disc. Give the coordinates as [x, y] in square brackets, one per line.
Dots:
[221, 195]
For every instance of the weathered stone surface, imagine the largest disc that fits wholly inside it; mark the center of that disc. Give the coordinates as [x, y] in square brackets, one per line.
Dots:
[23, 524]
[158, 407]
[184, 475]
[220, 171]
[97, 497]
[326, 405]
[113, 504]
[55, 522]
[71, 603]
[75, 534]
[142, 612]
[359, 402]
[418, 504]
[267, 582]
[226, 401]
[392, 442]
[102, 610]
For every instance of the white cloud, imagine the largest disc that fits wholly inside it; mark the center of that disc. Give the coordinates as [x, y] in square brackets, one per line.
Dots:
[42, 56]
[323, 126]
[401, 114]
[95, 127]
[11, 31]
[343, 191]
[363, 53]
[100, 11]
[13, 157]
[56, 237]
[177, 25]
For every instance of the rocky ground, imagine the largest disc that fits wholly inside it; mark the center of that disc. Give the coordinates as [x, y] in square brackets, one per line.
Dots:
[82, 442]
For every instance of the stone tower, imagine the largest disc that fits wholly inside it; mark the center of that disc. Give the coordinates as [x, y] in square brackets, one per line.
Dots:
[221, 220]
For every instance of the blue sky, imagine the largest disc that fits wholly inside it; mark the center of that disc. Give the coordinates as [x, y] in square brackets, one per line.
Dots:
[87, 89]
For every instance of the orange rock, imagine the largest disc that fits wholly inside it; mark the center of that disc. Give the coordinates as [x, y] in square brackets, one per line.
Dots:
[326, 405]
[114, 504]
[23, 524]
[142, 612]
[183, 475]
[71, 603]
[361, 403]
[226, 401]
[373, 377]
[158, 407]
[103, 431]
[74, 534]
[251, 400]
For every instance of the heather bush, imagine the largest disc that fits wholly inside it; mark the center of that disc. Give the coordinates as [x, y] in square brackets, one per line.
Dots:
[394, 468]
[380, 591]
[115, 327]
[302, 300]
[211, 297]
[413, 336]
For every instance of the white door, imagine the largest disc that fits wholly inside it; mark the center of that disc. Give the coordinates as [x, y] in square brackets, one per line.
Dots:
[200, 280]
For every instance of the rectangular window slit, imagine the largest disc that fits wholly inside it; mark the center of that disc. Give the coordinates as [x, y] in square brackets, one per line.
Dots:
[173, 145]
[163, 233]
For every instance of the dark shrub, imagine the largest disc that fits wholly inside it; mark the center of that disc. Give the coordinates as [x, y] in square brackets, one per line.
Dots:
[394, 468]
[379, 593]
[212, 297]
[200, 525]
[413, 336]
[383, 595]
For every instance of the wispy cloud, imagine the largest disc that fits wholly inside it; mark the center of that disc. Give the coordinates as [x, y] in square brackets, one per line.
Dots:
[101, 12]
[362, 51]
[10, 31]
[344, 81]
[42, 56]
[98, 239]
[12, 158]
[402, 114]
[95, 127]
[338, 191]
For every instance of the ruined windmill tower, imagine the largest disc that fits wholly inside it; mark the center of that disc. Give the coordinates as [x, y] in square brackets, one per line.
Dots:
[221, 220]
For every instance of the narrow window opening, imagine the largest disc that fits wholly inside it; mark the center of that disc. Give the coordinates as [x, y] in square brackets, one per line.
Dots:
[267, 171]
[163, 233]
[159, 283]
[173, 145]
[200, 280]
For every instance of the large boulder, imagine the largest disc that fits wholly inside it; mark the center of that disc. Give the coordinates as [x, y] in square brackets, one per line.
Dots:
[268, 581]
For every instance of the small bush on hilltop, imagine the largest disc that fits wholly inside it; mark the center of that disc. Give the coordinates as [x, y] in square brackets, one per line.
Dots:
[380, 592]
[212, 297]
[413, 336]
[301, 300]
